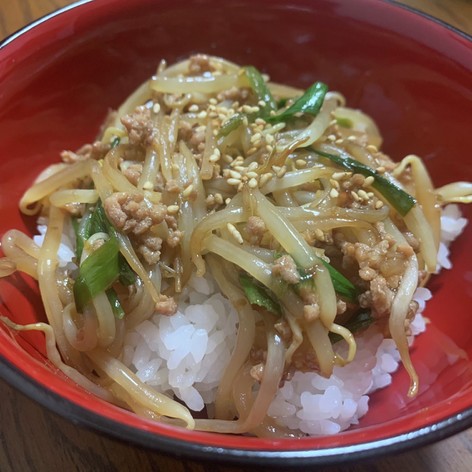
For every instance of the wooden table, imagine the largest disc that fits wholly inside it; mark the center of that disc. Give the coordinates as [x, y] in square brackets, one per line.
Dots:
[34, 439]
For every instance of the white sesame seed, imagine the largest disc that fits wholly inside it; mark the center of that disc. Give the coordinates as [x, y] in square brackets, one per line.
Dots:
[352, 138]
[355, 196]
[338, 175]
[319, 234]
[255, 138]
[265, 178]
[213, 101]
[253, 166]
[368, 181]
[202, 114]
[334, 183]
[281, 172]
[300, 163]
[235, 175]
[252, 150]
[187, 191]
[261, 103]
[148, 185]
[228, 201]
[173, 209]
[156, 108]
[233, 181]
[331, 137]
[235, 233]
[363, 194]
[193, 108]
[371, 148]
[334, 193]
[252, 183]
[252, 175]
[219, 198]
[379, 204]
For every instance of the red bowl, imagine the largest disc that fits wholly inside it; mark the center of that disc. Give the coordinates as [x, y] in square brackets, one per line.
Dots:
[58, 78]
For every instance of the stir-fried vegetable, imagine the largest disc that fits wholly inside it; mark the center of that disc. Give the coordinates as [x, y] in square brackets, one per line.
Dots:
[258, 84]
[310, 103]
[97, 273]
[89, 283]
[259, 295]
[402, 201]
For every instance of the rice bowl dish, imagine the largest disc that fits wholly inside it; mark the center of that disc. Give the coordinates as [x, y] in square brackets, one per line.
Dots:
[300, 409]
[225, 245]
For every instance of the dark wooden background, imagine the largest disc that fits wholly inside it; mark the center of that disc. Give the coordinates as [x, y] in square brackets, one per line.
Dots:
[34, 439]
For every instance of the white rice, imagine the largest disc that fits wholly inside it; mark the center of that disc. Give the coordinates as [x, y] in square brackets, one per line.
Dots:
[186, 354]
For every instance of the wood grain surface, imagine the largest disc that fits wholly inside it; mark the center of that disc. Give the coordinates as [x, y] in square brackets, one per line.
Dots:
[34, 439]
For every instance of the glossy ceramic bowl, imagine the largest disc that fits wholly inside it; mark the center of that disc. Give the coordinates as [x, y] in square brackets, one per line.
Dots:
[59, 77]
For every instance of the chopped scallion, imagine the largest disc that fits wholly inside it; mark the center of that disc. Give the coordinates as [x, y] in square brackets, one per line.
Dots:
[402, 201]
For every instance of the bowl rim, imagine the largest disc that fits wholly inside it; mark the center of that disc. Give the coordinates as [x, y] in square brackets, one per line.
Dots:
[95, 423]
[299, 458]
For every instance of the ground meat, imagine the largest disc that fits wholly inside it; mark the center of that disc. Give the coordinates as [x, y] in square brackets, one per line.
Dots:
[194, 135]
[140, 126]
[255, 229]
[311, 312]
[174, 238]
[379, 298]
[149, 246]
[131, 213]
[96, 151]
[133, 172]
[166, 305]
[286, 268]
[257, 372]
[382, 296]
[199, 64]
[172, 186]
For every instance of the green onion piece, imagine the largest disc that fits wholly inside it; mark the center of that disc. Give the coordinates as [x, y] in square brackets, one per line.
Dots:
[358, 322]
[231, 124]
[259, 295]
[99, 222]
[282, 102]
[345, 122]
[258, 84]
[97, 273]
[127, 274]
[115, 141]
[342, 285]
[82, 232]
[115, 304]
[310, 102]
[402, 201]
